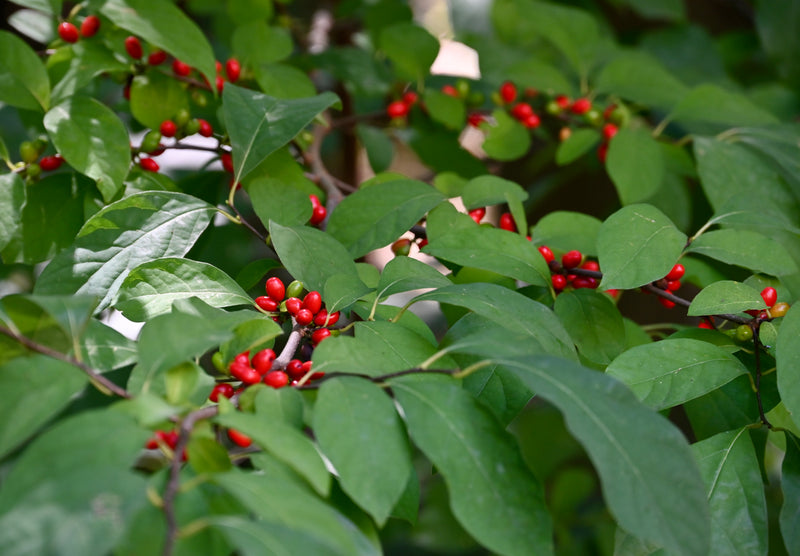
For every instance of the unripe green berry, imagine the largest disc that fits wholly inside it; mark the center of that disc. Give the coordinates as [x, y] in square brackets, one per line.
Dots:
[199, 98]
[593, 117]
[552, 107]
[295, 289]
[620, 116]
[33, 170]
[150, 141]
[28, 152]
[182, 117]
[219, 362]
[192, 126]
[462, 87]
[744, 333]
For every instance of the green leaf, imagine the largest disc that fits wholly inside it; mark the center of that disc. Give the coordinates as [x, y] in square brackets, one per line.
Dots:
[788, 363]
[47, 6]
[285, 443]
[566, 230]
[259, 125]
[577, 144]
[155, 97]
[593, 322]
[23, 78]
[490, 190]
[89, 60]
[310, 255]
[637, 245]
[348, 411]
[252, 335]
[379, 147]
[150, 288]
[93, 140]
[492, 249]
[506, 138]
[511, 310]
[790, 485]
[256, 43]
[410, 48]
[735, 490]
[640, 77]
[32, 391]
[375, 216]
[668, 373]
[403, 274]
[105, 349]
[283, 404]
[635, 164]
[166, 26]
[12, 201]
[260, 538]
[122, 236]
[282, 81]
[725, 296]
[712, 104]
[492, 493]
[774, 24]
[445, 109]
[653, 488]
[536, 73]
[207, 455]
[187, 383]
[341, 291]
[745, 248]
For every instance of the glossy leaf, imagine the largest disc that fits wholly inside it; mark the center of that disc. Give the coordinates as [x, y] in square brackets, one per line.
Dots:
[445, 109]
[788, 363]
[258, 538]
[635, 164]
[259, 125]
[283, 404]
[565, 230]
[713, 104]
[790, 485]
[12, 200]
[403, 274]
[256, 42]
[284, 81]
[105, 349]
[23, 78]
[164, 25]
[745, 248]
[156, 97]
[150, 288]
[576, 145]
[506, 138]
[252, 335]
[492, 493]
[89, 60]
[93, 140]
[668, 373]
[375, 216]
[122, 236]
[347, 412]
[411, 49]
[637, 245]
[730, 469]
[536, 73]
[593, 322]
[726, 296]
[490, 190]
[640, 77]
[379, 147]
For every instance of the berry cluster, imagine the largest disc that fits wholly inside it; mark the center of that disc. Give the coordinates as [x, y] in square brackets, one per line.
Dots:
[68, 32]
[572, 271]
[181, 126]
[30, 151]
[399, 109]
[165, 441]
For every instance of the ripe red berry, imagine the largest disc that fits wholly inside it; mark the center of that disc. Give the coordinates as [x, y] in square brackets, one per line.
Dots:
[267, 303]
[770, 296]
[410, 98]
[666, 302]
[295, 369]
[477, 214]
[168, 128]
[508, 92]
[591, 265]
[51, 163]
[169, 438]
[705, 324]
[521, 110]
[532, 122]
[180, 68]
[475, 119]
[581, 106]
[507, 222]
[227, 162]
[304, 317]
[562, 101]
[68, 32]
[245, 373]
[239, 438]
[293, 305]
[219, 83]
[276, 379]
[157, 58]
[221, 389]
[397, 109]
[584, 282]
[133, 47]
[262, 361]
[571, 259]
[243, 358]
[673, 285]
[318, 214]
[609, 131]
[275, 288]
[676, 273]
[559, 281]
[233, 69]
[149, 164]
[205, 128]
[315, 202]
[450, 91]
[90, 26]
[602, 152]
[313, 302]
[546, 253]
[324, 319]
[319, 334]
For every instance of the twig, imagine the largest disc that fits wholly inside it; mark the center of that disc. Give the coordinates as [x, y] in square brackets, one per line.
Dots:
[376, 379]
[757, 343]
[49, 352]
[292, 343]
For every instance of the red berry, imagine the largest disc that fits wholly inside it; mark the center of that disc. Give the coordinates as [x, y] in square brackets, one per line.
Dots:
[450, 91]
[168, 128]
[315, 202]
[157, 58]
[477, 214]
[293, 305]
[422, 243]
[666, 302]
[559, 281]
[313, 302]
[180, 68]
[705, 324]
[90, 26]
[68, 32]
[238, 438]
[319, 334]
[267, 303]
[532, 122]
[508, 92]
[276, 379]
[608, 111]
[324, 319]
[318, 215]
[410, 98]
[227, 162]
[546, 253]
[562, 101]
[571, 259]
[602, 152]
[133, 47]
[397, 109]
[295, 369]
[169, 438]
[219, 83]
[521, 110]
[245, 373]
[221, 389]
[676, 273]
[673, 285]
[262, 361]
[50, 163]
[609, 131]
[149, 164]
[233, 69]
[243, 358]
[205, 128]
[475, 119]
[770, 296]
[584, 282]
[591, 265]
[275, 288]
[304, 317]
[581, 106]
[507, 222]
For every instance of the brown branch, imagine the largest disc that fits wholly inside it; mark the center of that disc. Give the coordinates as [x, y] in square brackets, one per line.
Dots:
[95, 376]
[377, 379]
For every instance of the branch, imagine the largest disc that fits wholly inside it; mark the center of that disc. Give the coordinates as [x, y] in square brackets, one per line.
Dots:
[96, 377]
[377, 379]
[758, 345]
[292, 343]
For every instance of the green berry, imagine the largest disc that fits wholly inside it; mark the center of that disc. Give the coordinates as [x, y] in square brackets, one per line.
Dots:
[28, 152]
[744, 333]
[192, 126]
[33, 170]
[593, 117]
[182, 117]
[219, 362]
[295, 289]
[151, 141]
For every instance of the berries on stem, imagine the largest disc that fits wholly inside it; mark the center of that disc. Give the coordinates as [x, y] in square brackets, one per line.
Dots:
[68, 32]
[133, 47]
[90, 26]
